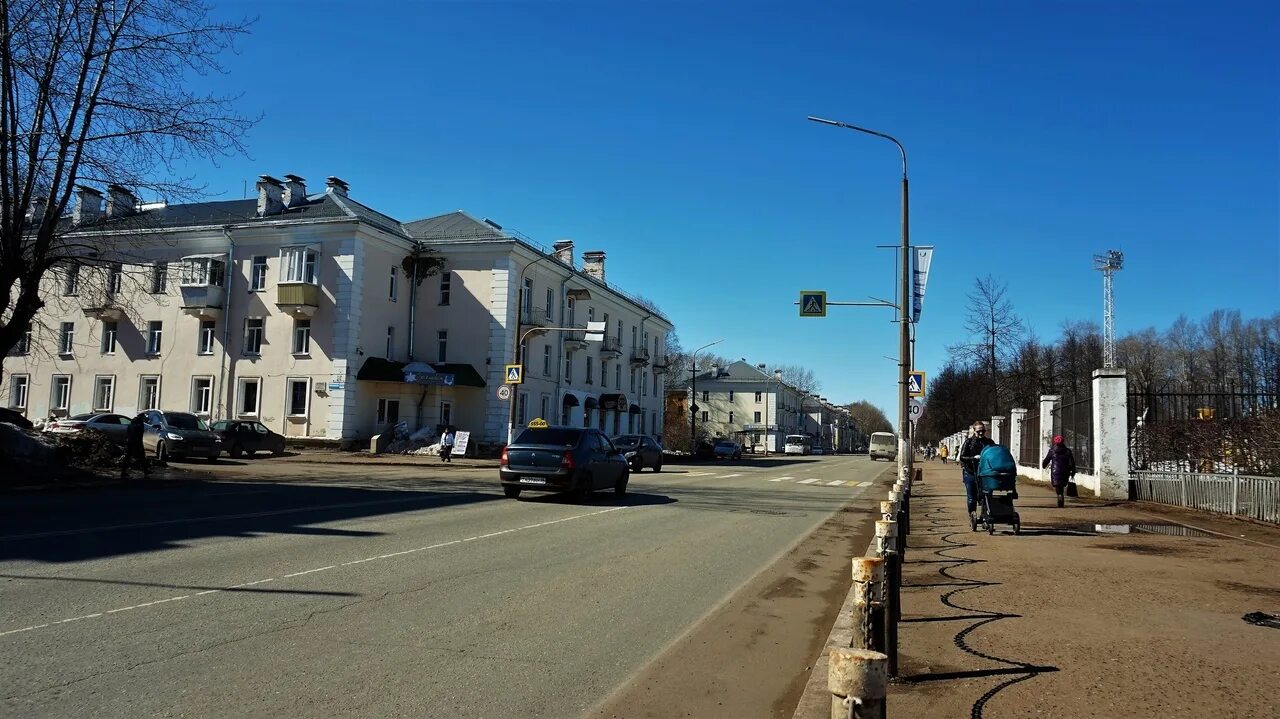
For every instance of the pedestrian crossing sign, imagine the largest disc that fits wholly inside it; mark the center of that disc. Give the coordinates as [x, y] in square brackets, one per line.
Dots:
[813, 303]
[915, 384]
[515, 374]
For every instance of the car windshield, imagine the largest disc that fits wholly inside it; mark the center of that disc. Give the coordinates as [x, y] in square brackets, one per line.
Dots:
[180, 420]
[629, 440]
[83, 417]
[558, 436]
[724, 444]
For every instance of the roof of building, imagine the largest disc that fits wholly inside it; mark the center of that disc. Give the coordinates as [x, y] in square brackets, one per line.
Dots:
[457, 225]
[224, 212]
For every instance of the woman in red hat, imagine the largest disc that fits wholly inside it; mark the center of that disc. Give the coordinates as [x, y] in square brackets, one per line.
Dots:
[1061, 464]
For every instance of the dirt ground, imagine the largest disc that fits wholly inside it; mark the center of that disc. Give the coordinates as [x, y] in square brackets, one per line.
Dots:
[756, 649]
[1074, 619]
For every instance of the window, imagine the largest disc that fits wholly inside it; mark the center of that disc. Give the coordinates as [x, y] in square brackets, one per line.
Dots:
[757, 418]
[633, 381]
[617, 376]
[104, 393]
[24, 344]
[67, 338]
[110, 330]
[604, 373]
[546, 404]
[258, 274]
[759, 397]
[115, 281]
[298, 264]
[446, 413]
[704, 416]
[299, 393]
[71, 280]
[253, 329]
[633, 337]
[644, 384]
[248, 396]
[730, 417]
[730, 395]
[571, 310]
[391, 286]
[391, 341]
[522, 410]
[551, 296]
[149, 392]
[160, 278]
[20, 387]
[60, 397]
[591, 314]
[619, 337]
[546, 361]
[568, 368]
[201, 395]
[442, 345]
[203, 271]
[155, 331]
[526, 298]
[388, 411]
[706, 396]
[591, 370]
[302, 337]
[206, 337]
[446, 283]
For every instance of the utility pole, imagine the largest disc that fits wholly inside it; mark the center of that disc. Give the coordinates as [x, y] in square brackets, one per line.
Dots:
[1109, 264]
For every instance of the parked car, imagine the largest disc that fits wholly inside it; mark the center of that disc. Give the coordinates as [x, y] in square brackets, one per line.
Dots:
[817, 450]
[242, 437]
[16, 419]
[562, 459]
[114, 426]
[727, 449]
[175, 435]
[68, 425]
[640, 451]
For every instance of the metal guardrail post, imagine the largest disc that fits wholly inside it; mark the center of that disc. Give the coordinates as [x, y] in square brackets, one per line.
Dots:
[868, 603]
[886, 542]
[858, 682]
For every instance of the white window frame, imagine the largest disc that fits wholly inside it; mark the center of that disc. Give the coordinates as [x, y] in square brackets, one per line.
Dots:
[446, 287]
[110, 337]
[546, 360]
[109, 382]
[522, 409]
[393, 290]
[155, 337]
[526, 298]
[442, 345]
[258, 269]
[142, 392]
[115, 280]
[757, 419]
[67, 339]
[446, 413]
[391, 340]
[571, 311]
[591, 370]
[759, 397]
[617, 376]
[261, 332]
[644, 385]
[24, 344]
[303, 348]
[241, 384]
[71, 281]
[545, 406]
[551, 300]
[289, 383]
[160, 278]
[210, 333]
[201, 400]
[203, 272]
[568, 368]
[299, 265]
[730, 416]
[19, 391]
[381, 414]
[65, 404]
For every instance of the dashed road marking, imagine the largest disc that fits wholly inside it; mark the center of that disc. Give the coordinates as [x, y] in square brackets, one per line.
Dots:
[779, 479]
[864, 484]
[836, 483]
[811, 480]
[726, 476]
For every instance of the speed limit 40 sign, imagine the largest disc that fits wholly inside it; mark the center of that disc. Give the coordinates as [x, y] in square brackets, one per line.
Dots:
[916, 410]
[504, 391]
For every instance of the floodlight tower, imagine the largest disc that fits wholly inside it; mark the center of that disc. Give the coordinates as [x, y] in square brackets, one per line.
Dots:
[1109, 264]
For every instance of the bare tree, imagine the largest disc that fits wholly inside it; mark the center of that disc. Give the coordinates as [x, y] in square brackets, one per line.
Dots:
[97, 91]
[802, 378]
[994, 332]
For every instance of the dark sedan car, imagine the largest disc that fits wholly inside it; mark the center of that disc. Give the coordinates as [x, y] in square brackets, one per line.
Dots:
[640, 451]
[175, 435]
[242, 437]
[562, 459]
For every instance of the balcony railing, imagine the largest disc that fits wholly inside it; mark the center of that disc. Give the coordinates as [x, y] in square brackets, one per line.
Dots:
[534, 317]
[575, 340]
[660, 364]
[640, 356]
[610, 347]
[203, 301]
[298, 298]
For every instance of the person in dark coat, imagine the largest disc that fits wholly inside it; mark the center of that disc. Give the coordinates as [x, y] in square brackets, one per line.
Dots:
[133, 450]
[968, 457]
[1061, 464]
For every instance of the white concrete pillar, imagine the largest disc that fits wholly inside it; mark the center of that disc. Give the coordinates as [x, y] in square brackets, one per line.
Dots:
[1111, 432]
[1017, 416]
[998, 434]
[1048, 403]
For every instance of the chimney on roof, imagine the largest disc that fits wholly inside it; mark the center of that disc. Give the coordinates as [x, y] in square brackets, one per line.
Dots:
[120, 201]
[88, 205]
[270, 196]
[715, 371]
[295, 191]
[564, 251]
[337, 185]
[593, 264]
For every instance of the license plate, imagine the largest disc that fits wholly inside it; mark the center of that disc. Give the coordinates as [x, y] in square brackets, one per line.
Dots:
[533, 480]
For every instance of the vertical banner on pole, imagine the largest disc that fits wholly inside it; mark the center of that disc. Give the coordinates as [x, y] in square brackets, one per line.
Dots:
[920, 277]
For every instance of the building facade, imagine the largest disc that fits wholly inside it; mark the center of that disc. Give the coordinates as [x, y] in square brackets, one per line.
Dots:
[747, 404]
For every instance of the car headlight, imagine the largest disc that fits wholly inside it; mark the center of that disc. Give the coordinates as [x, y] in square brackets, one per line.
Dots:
[171, 435]
[630, 454]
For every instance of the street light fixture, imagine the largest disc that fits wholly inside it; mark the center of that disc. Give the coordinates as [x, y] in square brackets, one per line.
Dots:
[693, 395]
[904, 316]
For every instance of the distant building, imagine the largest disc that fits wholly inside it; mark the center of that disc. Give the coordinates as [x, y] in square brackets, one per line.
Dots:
[742, 402]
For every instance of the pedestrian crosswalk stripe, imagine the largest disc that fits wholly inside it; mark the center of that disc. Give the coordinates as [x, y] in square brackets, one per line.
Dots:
[777, 480]
[836, 483]
[864, 484]
[810, 481]
[726, 476]
[782, 478]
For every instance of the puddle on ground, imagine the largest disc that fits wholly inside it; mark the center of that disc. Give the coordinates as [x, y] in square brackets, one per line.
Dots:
[1169, 530]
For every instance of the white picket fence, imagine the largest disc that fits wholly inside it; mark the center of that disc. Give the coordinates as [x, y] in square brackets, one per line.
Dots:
[1236, 494]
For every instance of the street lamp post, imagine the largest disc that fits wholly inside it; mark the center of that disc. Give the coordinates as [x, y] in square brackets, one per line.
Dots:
[904, 303]
[693, 395]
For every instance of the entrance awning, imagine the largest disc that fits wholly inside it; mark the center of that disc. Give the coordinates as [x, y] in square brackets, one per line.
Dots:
[635, 409]
[377, 369]
[591, 403]
[570, 400]
[616, 402]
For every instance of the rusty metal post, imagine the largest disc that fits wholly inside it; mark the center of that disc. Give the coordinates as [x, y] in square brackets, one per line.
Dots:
[868, 603]
[858, 682]
[886, 546]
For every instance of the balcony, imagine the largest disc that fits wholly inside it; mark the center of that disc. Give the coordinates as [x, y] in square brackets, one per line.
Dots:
[203, 301]
[106, 309]
[610, 348]
[575, 340]
[660, 364]
[534, 317]
[300, 299]
[640, 357]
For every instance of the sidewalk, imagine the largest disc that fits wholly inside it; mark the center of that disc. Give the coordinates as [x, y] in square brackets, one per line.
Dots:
[1071, 619]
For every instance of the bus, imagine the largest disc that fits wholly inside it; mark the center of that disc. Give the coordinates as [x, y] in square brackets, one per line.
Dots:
[884, 445]
[798, 444]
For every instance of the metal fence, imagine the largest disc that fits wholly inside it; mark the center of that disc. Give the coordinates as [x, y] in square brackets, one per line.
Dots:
[1205, 431]
[1029, 449]
[1235, 494]
[1074, 421]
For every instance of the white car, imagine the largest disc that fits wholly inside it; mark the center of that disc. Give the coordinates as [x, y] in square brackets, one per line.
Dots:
[69, 425]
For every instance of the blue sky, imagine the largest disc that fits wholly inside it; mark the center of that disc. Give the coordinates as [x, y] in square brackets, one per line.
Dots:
[673, 136]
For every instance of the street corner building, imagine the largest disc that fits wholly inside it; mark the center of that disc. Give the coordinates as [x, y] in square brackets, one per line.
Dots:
[316, 315]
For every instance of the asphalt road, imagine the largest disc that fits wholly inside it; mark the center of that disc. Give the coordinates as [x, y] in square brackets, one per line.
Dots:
[305, 590]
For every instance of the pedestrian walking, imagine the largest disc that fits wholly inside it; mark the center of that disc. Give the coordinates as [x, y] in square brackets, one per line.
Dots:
[133, 449]
[942, 452]
[1061, 463]
[970, 452]
[446, 445]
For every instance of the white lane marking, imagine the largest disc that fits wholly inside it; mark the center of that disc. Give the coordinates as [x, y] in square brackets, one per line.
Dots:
[726, 476]
[836, 483]
[299, 574]
[776, 480]
[809, 481]
[698, 474]
[864, 484]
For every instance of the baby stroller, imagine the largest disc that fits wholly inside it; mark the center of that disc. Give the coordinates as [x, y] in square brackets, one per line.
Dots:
[997, 485]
